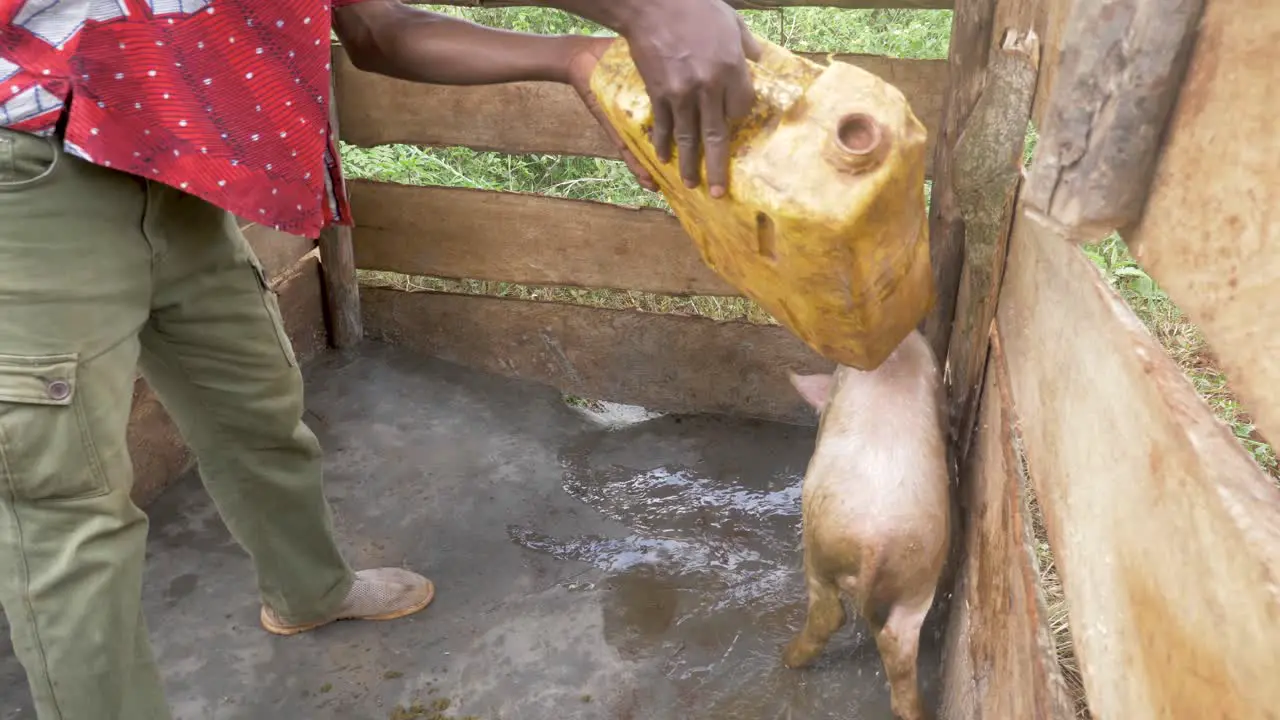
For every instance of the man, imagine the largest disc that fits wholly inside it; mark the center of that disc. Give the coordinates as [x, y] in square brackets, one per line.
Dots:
[132, 132]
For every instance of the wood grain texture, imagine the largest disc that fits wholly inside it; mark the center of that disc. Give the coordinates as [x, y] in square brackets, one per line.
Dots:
[666, 363]
[1211, 234]
[999, 659]
[1166, 534]
[988, 170]
[1119, 78]
[545, 117]
[742, 4]
[276, 250]
[157, 449]
[525, 238]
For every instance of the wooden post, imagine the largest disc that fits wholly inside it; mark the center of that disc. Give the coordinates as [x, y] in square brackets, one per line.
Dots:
[995, 61]
[1120, 78]
[987, 168]
[341, 288]
[338, 265]
[970, 44]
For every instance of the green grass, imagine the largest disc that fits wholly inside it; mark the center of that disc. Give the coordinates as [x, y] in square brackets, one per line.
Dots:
[901, 33]
[1182, 340]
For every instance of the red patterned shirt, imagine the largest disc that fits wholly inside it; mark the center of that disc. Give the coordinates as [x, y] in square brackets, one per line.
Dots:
[227, 100]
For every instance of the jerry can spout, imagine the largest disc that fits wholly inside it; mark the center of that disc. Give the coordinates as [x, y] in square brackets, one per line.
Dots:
[857, 144]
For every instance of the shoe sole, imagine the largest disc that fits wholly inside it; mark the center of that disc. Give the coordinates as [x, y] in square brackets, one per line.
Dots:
[275, 629]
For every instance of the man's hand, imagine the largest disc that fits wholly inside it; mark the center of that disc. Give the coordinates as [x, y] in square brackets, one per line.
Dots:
[692, 55]
[581, 64]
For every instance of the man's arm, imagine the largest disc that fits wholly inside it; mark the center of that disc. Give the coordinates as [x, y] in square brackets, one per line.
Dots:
[692, 55]
[393, 39]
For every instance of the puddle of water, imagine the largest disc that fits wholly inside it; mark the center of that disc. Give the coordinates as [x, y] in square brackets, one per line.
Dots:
[707, 587]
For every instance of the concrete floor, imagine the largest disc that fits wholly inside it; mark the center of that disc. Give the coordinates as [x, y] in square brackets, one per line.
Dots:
[587, 566]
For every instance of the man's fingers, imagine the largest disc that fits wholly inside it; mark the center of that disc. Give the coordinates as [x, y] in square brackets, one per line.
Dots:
[715, 142]
[750, 46]
[740, 92]
[662, 129]
[739, 95]
[687, 134]
[642, 175]
[633, 164]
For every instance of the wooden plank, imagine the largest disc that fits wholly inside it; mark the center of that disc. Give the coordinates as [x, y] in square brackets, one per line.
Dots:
[524, 238]
[337, 260]
[1166, 534]
[1120, 78]
[157, 449]
[666, 363]
[988, 168]
[276, 250]
[741, 4]
[999, 657]
[299, 291]
[1210, 234]
[544, 117]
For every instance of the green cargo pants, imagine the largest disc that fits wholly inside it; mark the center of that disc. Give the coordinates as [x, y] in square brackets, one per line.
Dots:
[102, 273]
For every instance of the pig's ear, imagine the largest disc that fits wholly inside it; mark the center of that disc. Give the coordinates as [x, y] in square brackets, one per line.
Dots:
[815, 389]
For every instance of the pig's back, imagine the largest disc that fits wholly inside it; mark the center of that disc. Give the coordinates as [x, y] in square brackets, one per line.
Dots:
[880, 461]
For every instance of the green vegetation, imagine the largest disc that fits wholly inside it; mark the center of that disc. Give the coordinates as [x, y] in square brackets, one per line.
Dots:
[901, 33]
[1181, 339]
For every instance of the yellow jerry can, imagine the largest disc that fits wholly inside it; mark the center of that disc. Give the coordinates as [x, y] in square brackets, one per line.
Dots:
[824, 224]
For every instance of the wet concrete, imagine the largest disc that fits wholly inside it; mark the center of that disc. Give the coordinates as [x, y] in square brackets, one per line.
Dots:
[588, 565]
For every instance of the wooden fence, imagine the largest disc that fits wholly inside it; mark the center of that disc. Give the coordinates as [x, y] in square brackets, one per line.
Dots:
[1165, 532]
[1156, 118]
[664, 362]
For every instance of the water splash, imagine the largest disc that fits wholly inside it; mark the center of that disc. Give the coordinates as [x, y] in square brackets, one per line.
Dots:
[736, 544]
[704, 585]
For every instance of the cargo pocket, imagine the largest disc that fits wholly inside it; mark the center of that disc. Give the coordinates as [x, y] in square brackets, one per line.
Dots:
[46, 447]
[271, 301]
[26, 160]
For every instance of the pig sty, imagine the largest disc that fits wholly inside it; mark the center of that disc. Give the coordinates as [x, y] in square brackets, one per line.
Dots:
[876, 509]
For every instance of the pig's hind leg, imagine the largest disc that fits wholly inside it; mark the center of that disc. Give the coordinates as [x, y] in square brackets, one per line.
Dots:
[898, 640]
[826, 616]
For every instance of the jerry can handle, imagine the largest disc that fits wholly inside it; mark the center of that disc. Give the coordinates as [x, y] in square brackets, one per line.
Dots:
[771, 88]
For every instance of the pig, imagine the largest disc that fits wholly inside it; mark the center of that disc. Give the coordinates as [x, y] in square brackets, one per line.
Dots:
[876, 509]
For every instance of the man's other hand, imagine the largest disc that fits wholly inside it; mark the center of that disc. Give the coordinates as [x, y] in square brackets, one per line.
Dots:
[587, 53]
